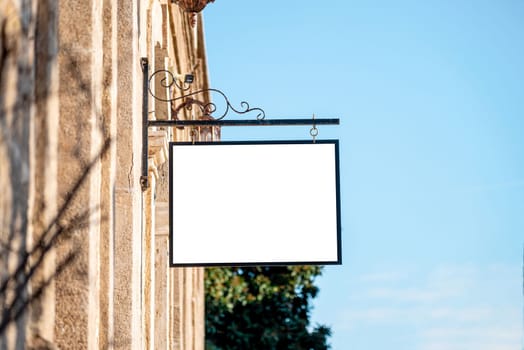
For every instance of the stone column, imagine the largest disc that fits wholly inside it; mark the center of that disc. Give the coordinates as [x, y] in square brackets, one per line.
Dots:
[108, 175]
[44, 139]
[162, 290]
[16, 83]
[157, 155]
[128, 259]
[80, 140]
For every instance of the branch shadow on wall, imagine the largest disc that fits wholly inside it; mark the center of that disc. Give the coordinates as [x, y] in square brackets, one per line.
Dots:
[14, 287]
[23, 263]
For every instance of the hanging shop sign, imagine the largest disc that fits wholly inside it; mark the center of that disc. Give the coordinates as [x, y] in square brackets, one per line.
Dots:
[244, 203]
[254, 203]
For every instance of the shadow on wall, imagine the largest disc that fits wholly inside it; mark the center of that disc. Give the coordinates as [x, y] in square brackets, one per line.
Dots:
[23, 94]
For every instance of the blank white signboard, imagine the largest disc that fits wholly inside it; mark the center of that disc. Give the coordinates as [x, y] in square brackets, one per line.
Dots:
[254, 203]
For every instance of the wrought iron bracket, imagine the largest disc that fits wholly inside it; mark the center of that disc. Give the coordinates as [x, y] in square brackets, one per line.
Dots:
[144, 179]
[208, 110]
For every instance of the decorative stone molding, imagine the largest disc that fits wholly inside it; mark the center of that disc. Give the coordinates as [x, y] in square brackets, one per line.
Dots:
[162, 219]
[158, 150]
[192, 7]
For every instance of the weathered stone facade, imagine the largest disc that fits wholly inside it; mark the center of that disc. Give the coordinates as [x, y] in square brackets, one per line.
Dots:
[80, 242]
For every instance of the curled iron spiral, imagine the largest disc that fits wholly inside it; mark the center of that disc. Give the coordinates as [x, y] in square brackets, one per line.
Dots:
[208, 108]
[167, 81]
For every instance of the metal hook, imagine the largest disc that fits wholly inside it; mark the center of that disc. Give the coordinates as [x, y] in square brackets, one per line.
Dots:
[314, 131]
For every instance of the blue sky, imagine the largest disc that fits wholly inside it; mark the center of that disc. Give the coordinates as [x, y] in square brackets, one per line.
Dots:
[431, 100]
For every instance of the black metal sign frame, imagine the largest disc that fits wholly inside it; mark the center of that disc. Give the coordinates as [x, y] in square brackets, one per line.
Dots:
[336, 171]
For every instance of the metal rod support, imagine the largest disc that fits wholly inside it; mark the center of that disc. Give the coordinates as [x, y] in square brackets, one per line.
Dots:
[261, 122]
[144, 180]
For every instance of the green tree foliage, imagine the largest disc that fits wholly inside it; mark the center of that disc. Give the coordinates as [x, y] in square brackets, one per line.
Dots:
[262, 308]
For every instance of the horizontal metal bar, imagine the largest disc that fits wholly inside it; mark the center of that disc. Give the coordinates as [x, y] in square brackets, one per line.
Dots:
[262, 122]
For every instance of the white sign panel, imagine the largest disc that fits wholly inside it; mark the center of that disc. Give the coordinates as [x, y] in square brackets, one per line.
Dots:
[254, 203]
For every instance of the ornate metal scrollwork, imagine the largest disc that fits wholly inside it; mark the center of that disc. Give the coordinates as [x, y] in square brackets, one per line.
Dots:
[188, 99]
[168, 81]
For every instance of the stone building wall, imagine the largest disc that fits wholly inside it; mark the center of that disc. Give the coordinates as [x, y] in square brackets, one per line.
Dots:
[83, 250]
